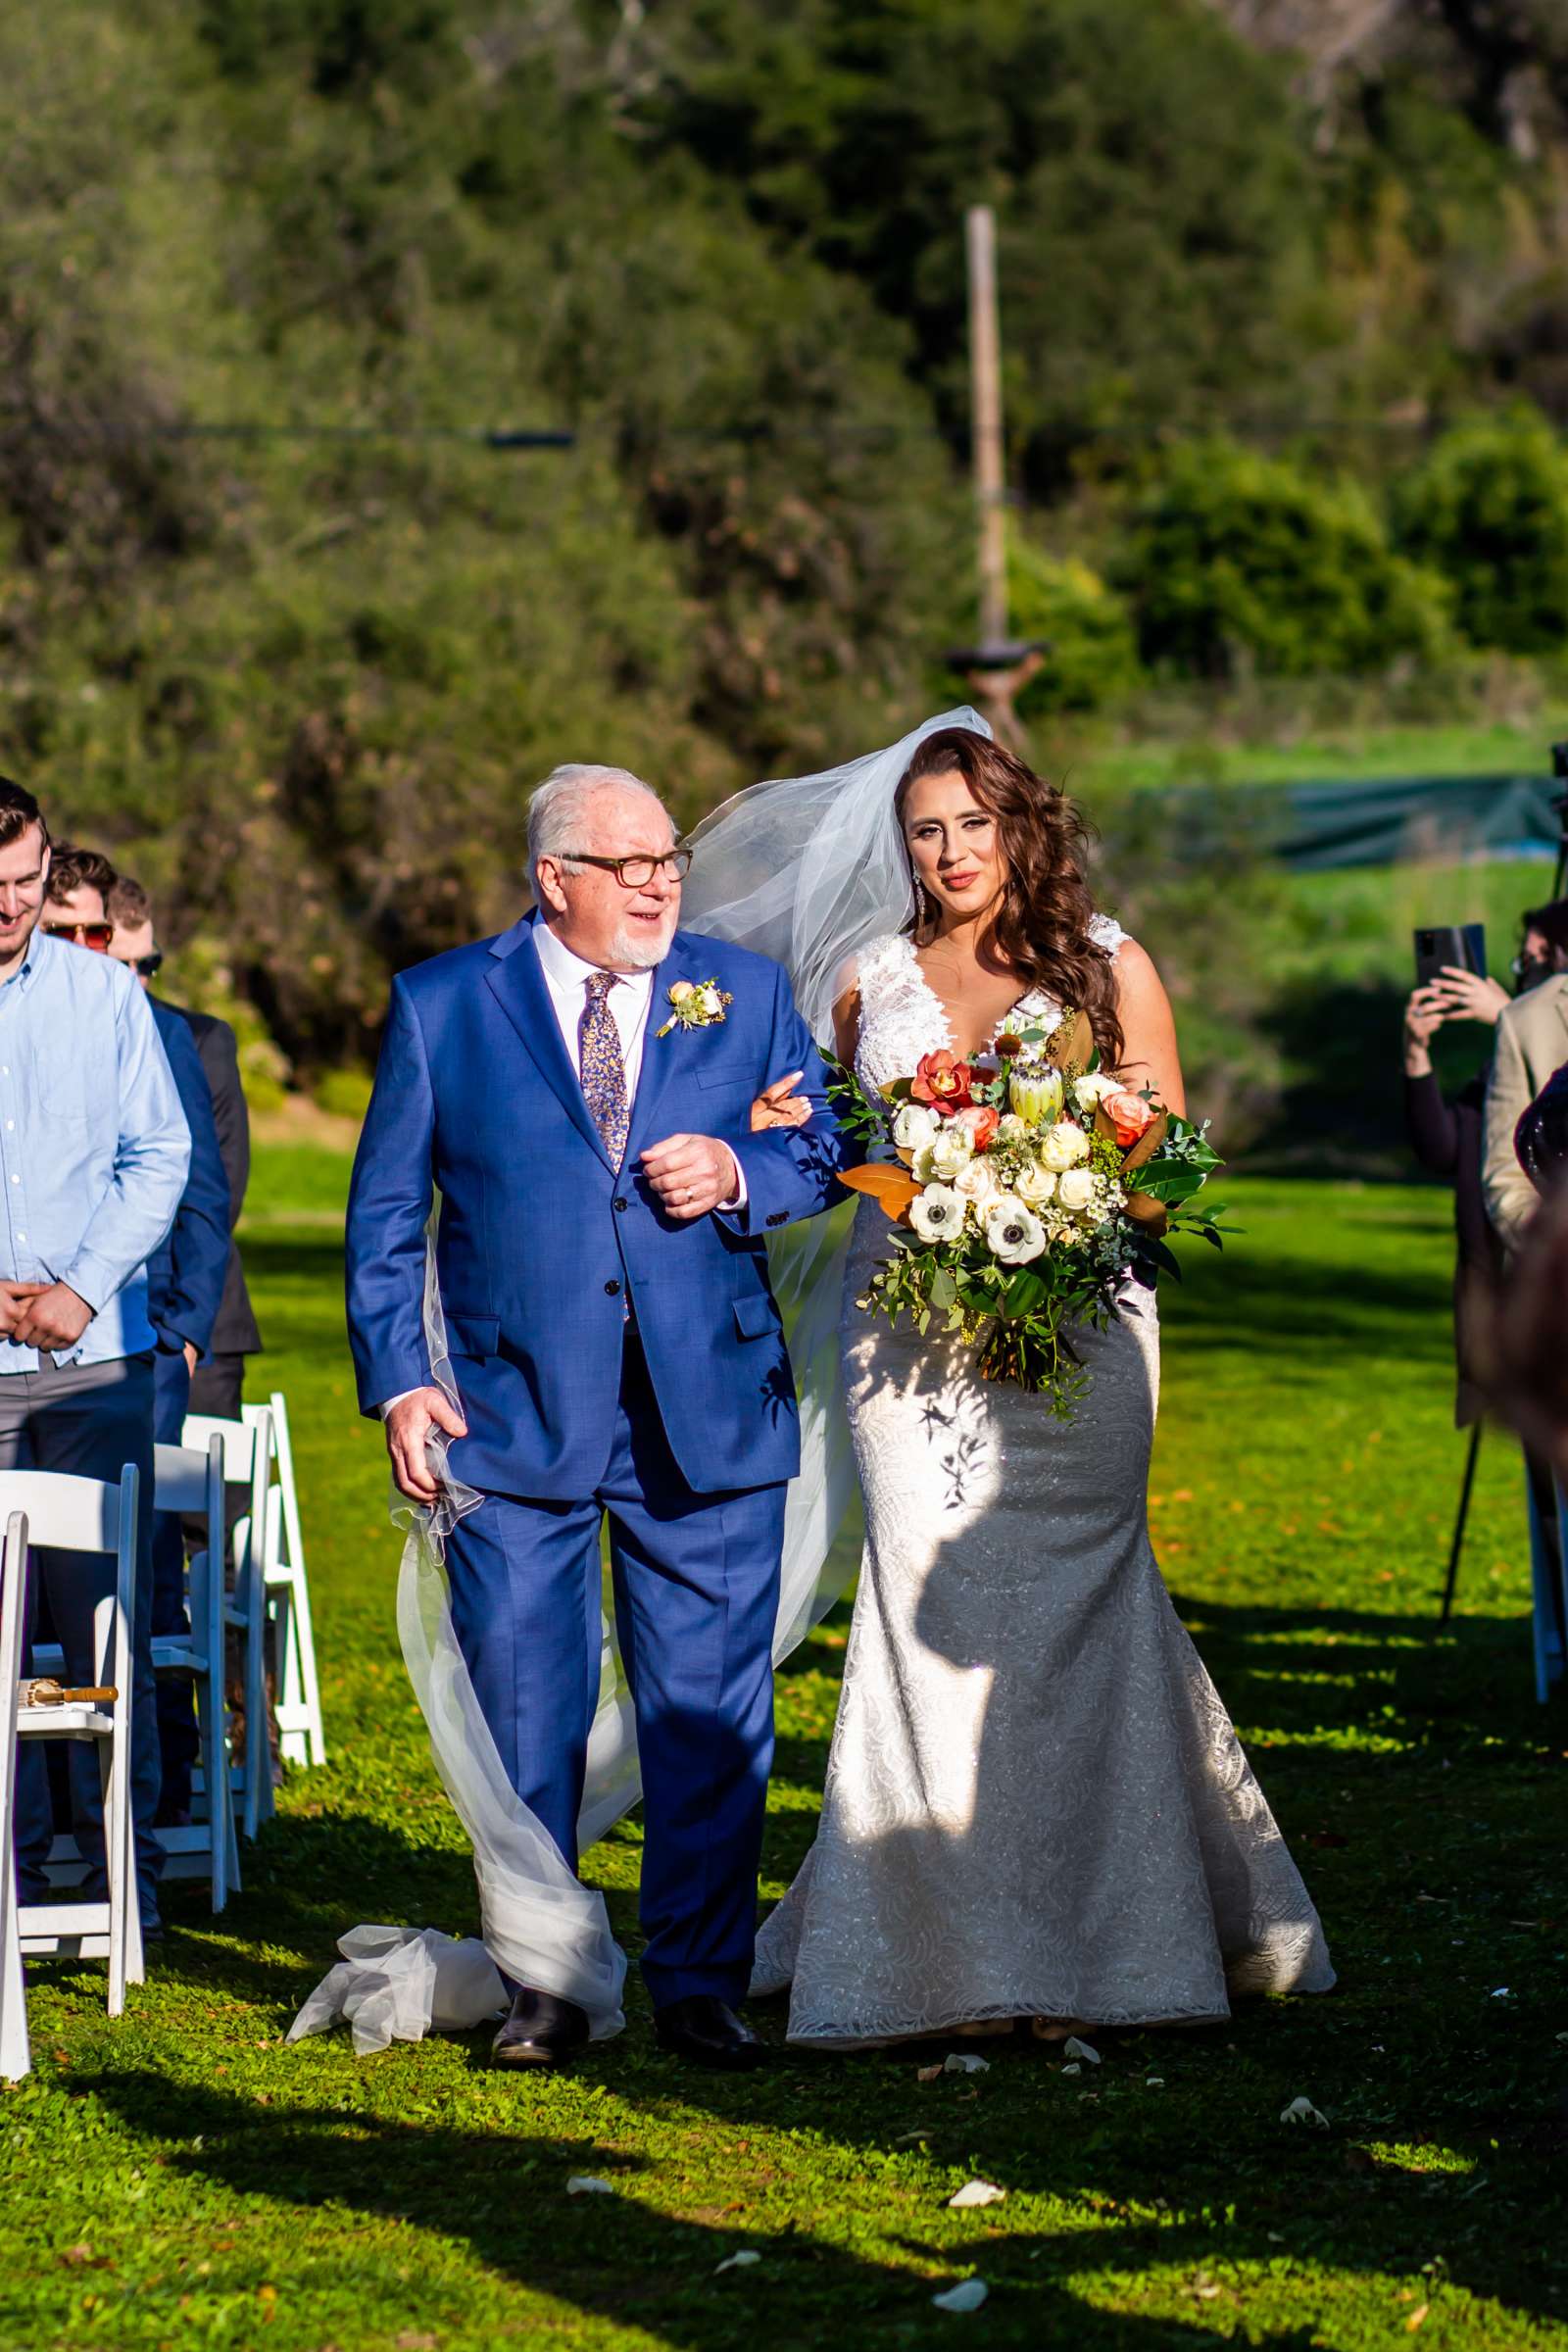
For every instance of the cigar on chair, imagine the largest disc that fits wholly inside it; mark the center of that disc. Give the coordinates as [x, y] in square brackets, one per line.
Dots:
[45, 1692]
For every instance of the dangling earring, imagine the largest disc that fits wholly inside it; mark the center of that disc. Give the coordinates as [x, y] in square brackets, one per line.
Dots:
[920, 904]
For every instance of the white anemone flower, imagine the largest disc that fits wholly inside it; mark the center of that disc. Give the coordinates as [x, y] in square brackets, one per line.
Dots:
[938, 1214]
[1013, 1233]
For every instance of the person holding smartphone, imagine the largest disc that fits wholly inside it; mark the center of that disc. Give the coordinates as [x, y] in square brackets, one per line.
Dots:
[1446, 1133]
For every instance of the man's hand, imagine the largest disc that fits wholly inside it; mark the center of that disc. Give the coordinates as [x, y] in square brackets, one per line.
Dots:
[15, 1299]
[190, 1358]
[691, 1174]
[408, 1425]
[779, 1105]
[54, 1317]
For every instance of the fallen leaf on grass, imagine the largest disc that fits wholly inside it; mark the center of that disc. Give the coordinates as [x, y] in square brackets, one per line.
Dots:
[742, 2260]
[1416, 2317]
[967, 2296]
[1072, 2047]
[1303, 2111]
[586, 2185]
[975, 2193]
[927, 2073]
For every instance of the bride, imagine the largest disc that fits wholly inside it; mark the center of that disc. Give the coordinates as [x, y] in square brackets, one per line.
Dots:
[1036, 1805]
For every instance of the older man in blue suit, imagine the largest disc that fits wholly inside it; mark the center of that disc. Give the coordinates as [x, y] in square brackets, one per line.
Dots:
[579, 1091]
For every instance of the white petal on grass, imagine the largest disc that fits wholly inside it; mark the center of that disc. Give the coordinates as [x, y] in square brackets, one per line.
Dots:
[1074, 2068]
[588, 2184]
[1303, 2111]
[1072, 2047]
[961, 2063]
[1500, 1993]
[967, 2296]
[741, 2260]
[1153, 2082]
[975, 2193]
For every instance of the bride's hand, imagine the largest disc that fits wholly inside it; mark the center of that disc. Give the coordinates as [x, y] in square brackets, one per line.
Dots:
[778, 1104]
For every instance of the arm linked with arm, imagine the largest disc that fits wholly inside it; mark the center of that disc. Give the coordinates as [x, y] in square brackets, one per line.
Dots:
[790, 1172]
[389, 1206]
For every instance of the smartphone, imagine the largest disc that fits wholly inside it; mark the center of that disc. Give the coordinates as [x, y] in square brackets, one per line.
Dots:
[1440, 944]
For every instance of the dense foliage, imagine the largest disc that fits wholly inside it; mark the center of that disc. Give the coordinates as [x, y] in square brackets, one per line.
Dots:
[286, 620]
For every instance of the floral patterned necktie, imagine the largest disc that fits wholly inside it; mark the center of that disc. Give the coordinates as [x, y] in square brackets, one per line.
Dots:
[604, 1067]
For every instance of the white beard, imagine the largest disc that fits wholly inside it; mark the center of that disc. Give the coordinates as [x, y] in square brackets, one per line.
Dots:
[641, 955]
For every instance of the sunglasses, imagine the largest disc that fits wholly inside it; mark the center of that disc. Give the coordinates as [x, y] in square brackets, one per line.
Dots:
[86, 935]
[149, 967]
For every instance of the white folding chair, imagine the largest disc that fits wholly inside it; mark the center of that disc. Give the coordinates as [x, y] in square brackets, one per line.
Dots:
[70, 1514]
[247, 1458]
[288, 1599]
[187, 1480]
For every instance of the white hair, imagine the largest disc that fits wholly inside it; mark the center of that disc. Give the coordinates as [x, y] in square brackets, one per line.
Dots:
[558, 810]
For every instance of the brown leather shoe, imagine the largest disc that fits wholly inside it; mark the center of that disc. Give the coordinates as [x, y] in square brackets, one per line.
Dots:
[539, 2031]
[704, 2029]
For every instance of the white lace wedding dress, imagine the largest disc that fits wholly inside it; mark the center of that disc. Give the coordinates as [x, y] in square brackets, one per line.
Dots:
[1036, 1805]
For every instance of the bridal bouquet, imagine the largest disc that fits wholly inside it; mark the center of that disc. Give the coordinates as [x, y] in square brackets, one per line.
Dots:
[1025, 1184]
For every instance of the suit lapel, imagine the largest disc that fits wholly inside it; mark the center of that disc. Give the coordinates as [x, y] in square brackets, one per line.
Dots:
[664, 1058]
[517, 984]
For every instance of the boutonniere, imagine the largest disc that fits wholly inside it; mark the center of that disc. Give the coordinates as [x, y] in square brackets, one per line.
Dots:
[696, 1005]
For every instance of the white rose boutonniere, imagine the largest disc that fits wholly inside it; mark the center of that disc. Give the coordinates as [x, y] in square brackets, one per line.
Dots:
[695, 1005]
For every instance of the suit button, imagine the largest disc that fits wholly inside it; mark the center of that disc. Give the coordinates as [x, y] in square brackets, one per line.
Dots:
[612, 1289]
[622, 1201]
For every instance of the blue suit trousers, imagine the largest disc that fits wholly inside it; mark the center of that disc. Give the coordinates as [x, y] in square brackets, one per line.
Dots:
[696, 1590]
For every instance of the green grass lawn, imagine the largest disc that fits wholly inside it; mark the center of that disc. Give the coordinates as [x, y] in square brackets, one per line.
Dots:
[184, 2178]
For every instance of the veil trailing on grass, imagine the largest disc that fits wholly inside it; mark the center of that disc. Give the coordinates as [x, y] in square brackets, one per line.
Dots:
[807, 870]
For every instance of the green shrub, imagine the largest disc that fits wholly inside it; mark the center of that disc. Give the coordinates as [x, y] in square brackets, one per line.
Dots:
[346, 1094]
[1092, 654]
[1489, 509]
[1238, 562]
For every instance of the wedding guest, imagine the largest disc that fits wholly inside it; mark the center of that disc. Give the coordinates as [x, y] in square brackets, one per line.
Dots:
[184, 1286]
[94, 1154]
[1444, 1134]
[217, 1383]
[1532, 1040]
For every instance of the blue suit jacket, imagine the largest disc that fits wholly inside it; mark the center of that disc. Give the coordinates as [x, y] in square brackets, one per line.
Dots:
[541, 1243]
[186, 1274]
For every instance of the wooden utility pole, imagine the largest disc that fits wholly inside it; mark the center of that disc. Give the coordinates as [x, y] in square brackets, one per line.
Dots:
[999, 666]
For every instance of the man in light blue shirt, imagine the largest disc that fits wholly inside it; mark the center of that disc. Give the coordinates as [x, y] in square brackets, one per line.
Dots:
[94, 1150]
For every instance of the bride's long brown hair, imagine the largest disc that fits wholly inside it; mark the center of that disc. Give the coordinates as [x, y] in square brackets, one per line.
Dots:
[1040, 927]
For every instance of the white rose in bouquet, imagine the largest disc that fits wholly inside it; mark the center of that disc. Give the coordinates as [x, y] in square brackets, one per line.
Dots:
[978, 1182]
[1034, 1185]
[1012, 1129]
[949, 1152]
[1092, 1088]
[1013, 1233]
[1076, 1189]
[938, 1214]
[1063, 1146]
[915, 1125]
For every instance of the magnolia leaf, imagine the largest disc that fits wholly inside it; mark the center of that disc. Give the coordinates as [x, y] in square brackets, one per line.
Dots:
[1148, 1143]
[1144, 1210]
[967, 2296]
[1071, 1043]
[892, 1189]
[975, 2193]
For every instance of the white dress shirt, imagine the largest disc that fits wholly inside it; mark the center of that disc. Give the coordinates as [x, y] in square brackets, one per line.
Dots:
[567, 979]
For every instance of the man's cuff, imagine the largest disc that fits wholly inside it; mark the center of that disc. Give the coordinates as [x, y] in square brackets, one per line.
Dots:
[737, 1199]
[384, 1409]
[92, 1279]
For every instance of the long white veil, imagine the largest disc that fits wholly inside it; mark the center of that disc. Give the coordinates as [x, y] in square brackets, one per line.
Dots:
[806, 869]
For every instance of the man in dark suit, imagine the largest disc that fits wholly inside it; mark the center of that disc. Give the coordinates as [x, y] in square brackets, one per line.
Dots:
[217, 1383]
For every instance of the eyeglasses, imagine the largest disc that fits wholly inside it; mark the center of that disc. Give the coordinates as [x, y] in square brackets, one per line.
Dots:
[86, 935]
[149, 967]
[635, 873]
